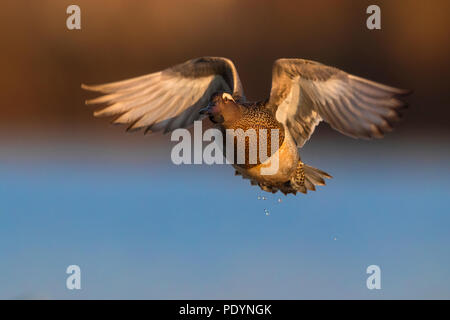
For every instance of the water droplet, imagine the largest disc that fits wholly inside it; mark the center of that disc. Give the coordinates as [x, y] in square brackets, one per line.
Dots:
[264, 198]
[259, 197]
[266, 212]
[334, 238]
[279, 200]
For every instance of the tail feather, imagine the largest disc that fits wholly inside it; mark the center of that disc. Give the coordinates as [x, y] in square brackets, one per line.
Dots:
[316, 175]
[309, 185]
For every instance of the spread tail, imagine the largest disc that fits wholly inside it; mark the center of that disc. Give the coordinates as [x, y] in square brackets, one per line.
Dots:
[303, 179]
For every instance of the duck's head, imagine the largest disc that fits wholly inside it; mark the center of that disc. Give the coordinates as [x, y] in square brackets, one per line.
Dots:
[222, 108]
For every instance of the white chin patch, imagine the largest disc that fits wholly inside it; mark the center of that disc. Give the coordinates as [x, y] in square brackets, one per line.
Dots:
[228, 96]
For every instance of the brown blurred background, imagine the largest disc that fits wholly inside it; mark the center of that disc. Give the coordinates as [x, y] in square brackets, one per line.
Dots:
[43, 63]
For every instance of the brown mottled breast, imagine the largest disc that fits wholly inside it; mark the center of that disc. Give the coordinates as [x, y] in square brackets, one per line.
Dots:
[257, 117]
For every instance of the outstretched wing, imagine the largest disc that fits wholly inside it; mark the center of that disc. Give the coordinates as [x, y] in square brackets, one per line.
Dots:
[168, 99]
[306, 92]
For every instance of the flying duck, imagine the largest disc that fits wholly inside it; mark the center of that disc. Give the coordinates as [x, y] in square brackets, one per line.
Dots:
[303, 94]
